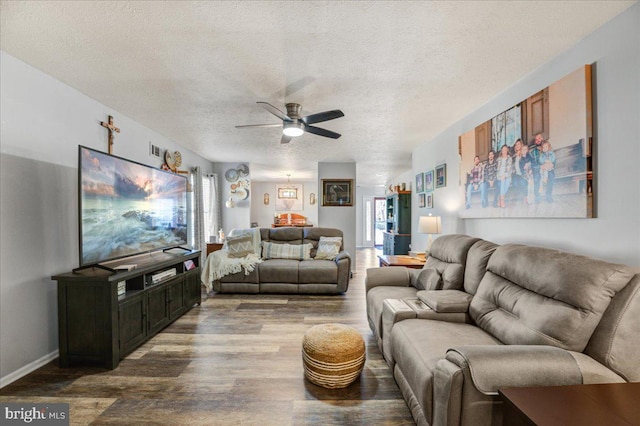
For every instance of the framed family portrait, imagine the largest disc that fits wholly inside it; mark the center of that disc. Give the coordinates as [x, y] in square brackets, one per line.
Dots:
[422, 200]
[428, 181]
[337, 192]
[441, 176]
[420, 182]
[535, 158]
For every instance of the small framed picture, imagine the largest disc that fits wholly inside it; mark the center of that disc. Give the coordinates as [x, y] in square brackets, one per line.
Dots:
[420, 182]
[428, 181]
[441, 176]
[429, 201]
[337, 192]
[422, 200]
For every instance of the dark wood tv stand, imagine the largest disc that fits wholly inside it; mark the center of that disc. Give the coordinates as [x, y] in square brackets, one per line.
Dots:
[95, 324]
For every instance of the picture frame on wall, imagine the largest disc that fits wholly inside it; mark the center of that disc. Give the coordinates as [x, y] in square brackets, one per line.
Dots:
[441, 176]
[422, 200]
[428, 181]
[420, 182]
[552, 128]
[337, 192]
[429, 201]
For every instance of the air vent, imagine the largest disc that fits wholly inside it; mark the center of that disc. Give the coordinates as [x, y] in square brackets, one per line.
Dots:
[155, 151]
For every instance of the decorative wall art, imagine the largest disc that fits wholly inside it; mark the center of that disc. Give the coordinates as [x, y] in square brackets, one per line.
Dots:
[534, 159]
[420, 182]
[428, 181]
[422, 200]
[238, 184]
[289, 197]
[429, 201]
[337, 192]
[441, 176]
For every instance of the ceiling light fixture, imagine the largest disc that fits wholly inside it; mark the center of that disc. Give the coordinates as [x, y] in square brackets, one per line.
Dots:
[293, 129]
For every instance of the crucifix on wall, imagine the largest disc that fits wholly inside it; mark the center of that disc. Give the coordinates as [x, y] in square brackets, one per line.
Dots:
[111, 128]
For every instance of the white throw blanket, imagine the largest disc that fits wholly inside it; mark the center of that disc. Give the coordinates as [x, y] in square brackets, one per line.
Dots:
[219, 264]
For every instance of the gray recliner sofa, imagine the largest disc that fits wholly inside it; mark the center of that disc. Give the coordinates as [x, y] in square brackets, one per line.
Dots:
[521, 316]
[290, 276]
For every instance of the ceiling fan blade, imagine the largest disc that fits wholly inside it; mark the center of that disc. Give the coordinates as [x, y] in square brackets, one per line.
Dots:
[322, 132]
[285, 139]
[322, 116]
[275, 111]
[259, 125]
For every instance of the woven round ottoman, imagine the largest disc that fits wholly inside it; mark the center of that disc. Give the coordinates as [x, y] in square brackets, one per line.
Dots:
[333, 355]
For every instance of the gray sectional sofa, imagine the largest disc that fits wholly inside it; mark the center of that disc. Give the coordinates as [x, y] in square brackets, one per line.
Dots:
[314, 276]
[479, 317]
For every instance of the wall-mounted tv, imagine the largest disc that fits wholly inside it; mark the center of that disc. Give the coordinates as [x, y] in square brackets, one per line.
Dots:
[127, 208]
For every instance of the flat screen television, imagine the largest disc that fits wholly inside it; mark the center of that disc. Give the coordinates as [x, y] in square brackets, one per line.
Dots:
[127, 208]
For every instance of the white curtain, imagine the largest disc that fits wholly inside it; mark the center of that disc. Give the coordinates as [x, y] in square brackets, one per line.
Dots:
[199, 242]
[207, 217]
[213, 216]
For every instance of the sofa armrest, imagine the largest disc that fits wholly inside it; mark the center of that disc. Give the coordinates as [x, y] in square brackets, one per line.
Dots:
[343, 261]
[396, 276]
[500, 366]
[466, 381]
[446, 301]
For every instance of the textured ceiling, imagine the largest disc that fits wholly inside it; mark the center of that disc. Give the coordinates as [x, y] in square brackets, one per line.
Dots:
[401, 72]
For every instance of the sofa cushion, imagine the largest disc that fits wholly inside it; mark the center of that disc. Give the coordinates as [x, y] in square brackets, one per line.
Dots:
[239, 246]
[241, 277]
[313, 234]
[286, 251]
[443, 301]
[616, 341]
[539, 296]
[317, 271]
[417, 345]
[328, 248]
[426, 279]
[448, 255]
[279, 271]
[476, 266]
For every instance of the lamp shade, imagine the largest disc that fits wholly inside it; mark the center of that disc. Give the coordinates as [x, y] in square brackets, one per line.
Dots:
[429, 225]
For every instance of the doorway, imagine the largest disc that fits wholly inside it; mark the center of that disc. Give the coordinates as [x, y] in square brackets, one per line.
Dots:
[380, 209]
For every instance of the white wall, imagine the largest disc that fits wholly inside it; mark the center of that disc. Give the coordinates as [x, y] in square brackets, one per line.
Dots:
[343, 217]
[264, 214]
[615, 234]
[42, 123]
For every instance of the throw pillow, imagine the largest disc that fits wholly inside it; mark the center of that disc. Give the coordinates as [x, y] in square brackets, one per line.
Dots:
[328, 248]
[239, 246]
[286, 251]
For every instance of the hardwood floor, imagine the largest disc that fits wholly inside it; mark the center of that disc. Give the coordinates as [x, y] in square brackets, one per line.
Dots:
[234, 360]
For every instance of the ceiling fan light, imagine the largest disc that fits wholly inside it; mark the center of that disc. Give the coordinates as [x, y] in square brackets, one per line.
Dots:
[293, 129]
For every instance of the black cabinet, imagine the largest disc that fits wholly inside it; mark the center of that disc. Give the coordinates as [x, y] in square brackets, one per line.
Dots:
[397, 237]
[99, 323]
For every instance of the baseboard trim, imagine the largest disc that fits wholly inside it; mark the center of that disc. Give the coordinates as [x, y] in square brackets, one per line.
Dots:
[29, 368]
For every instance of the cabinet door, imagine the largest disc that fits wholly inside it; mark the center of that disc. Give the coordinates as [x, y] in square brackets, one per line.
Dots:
[176, 298]
[158, 308]
[192, 288]
[132, 323]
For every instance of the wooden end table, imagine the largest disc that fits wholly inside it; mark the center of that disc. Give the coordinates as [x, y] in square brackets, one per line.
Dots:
[407, 261]
[211, 247]
[602, 404]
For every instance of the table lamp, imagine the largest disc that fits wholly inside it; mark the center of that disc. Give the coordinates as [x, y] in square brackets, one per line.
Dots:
[429, 225]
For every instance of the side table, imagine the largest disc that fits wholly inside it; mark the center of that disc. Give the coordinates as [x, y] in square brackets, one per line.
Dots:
[211, 247]
[602, 404]
[407, 261]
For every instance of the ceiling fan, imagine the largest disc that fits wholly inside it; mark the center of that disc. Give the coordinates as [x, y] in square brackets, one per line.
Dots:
[293, 125]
